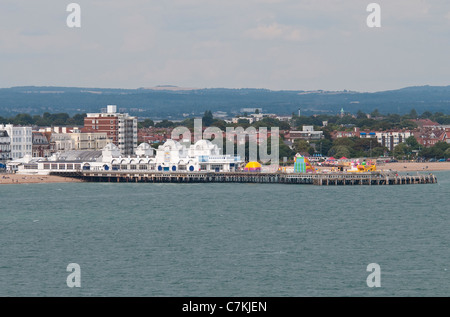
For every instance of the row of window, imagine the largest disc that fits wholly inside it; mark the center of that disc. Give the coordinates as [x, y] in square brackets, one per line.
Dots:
[19, 132]
[55, 166]
[19, 140]
[19, 147]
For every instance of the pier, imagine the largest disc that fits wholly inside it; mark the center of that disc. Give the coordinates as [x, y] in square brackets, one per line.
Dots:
[319, 179]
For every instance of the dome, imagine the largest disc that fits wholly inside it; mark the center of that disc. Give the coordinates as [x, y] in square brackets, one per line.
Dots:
[252, 167]
[144, 149]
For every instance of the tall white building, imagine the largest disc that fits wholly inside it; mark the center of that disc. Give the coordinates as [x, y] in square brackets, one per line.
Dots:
[21, 140]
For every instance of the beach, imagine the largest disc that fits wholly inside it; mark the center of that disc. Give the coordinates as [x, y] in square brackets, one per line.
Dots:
[6, 178]
[415, 167]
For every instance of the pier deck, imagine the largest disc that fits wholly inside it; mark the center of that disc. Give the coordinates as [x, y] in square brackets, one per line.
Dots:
[320, 179]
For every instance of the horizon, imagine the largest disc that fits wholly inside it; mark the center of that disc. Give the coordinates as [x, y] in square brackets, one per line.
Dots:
[168, 87]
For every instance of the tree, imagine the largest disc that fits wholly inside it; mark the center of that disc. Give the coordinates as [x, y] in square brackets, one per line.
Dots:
[413, 114]
[447, 153]
[164, 124]
[361, 115]
[344, 141]
[301, 146]
[340, 151]
[443, 146]
[146, 123]
[401, 151]
[323, 146]
[412, 143]
[432, 152]
[23, 119]
[375, 113]
[208, 118]
[426, 115]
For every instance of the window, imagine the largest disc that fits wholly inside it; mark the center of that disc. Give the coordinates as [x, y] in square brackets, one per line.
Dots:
[54, 166]
[143, 167]
[62, 166]
[46, 166]
[132, 167]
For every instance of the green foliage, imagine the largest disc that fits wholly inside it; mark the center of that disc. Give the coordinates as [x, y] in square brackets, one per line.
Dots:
[208, 118]
[301, 146]
[146, 124]
[165, 124]
[47, 119]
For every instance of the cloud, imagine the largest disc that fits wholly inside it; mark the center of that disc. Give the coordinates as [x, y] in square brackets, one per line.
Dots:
[280, 44]
[275, 31]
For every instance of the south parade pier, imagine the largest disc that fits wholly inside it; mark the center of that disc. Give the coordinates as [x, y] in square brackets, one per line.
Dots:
[320, 179]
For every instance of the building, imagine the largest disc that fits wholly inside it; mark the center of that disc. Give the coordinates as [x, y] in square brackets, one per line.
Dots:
[154, 135]
[307, 134]
[248, 118]
[390, 139]
[5, 146]
[203, 156]
[119, 127]
[93, 141]
[21, 140]
[41, 145]
[428, 137]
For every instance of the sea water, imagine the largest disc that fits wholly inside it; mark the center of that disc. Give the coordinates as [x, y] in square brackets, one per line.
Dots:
[224, 239]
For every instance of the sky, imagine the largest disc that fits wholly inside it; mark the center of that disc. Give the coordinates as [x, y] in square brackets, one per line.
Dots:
[271, 44]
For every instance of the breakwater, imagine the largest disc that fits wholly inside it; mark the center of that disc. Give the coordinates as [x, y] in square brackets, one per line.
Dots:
[319, 179]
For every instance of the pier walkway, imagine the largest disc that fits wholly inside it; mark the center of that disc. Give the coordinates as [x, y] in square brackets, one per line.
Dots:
[320, 179]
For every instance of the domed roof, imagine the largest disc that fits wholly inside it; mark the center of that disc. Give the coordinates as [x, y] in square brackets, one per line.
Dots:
[171, 145]
[203, 145]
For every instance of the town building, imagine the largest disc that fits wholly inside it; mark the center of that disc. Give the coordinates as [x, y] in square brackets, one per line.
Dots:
[390, 139]
[21, 140]
[5, 146]
[154, 135]
[120, 127]
[428, 137]
[307, 134]
[41, 144]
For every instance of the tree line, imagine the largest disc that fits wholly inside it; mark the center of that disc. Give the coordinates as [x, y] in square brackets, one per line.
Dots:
[47, 119]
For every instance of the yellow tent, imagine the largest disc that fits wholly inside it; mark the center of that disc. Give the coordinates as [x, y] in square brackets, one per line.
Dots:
[252, 167]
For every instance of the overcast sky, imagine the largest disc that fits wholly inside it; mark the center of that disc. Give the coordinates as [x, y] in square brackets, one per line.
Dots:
[273, 44]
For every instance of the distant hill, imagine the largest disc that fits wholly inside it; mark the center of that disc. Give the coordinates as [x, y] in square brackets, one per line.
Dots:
[175, 102]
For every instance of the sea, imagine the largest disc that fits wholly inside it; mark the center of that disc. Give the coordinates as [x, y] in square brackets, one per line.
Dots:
[224, 240]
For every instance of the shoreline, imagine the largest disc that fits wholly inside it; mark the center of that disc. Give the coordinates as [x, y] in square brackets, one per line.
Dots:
[6, 178]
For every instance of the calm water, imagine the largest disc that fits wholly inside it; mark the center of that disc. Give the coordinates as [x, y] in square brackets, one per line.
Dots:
[224, 239]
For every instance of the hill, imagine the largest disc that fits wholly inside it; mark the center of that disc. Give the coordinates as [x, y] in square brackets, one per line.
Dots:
[175, 102]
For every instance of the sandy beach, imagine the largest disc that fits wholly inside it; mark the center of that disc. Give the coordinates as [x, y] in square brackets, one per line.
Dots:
[415, 167]
[33, 179]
